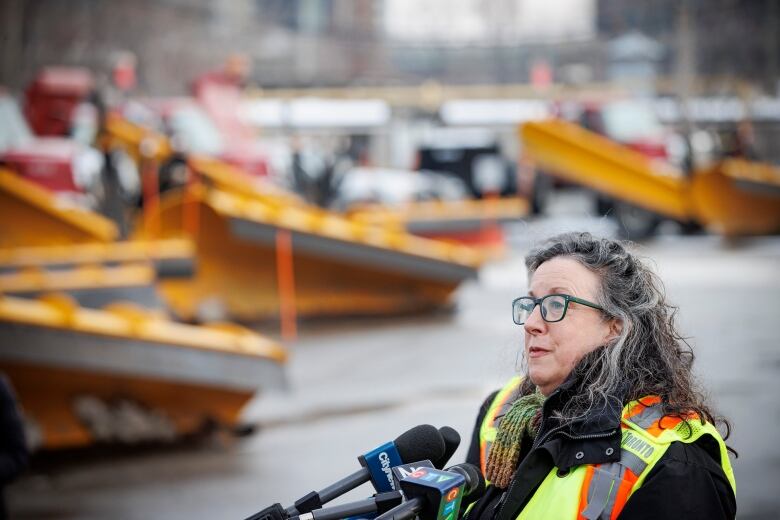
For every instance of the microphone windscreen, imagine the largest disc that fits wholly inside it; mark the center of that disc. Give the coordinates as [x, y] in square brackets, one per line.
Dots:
[420, 443]
[475, 482]
[451, 443]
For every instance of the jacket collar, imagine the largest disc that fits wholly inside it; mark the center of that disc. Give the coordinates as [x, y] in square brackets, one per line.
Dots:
[593, 439]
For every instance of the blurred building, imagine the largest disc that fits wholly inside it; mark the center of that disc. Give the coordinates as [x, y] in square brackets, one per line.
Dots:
[731, 39]
[295, 43]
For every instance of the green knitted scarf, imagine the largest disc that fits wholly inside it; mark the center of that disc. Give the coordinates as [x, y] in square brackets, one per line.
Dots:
[522, 419]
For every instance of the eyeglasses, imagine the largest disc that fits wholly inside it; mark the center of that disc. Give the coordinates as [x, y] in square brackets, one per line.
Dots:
[553, 307]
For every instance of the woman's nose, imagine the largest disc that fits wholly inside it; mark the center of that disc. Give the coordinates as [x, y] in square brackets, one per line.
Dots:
[535, 324]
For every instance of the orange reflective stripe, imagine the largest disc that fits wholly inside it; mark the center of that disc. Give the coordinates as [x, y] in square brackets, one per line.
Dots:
[664, 423]
[669, 422]
[629, 479]
[483, 456]
[641, 405]
[584, 491]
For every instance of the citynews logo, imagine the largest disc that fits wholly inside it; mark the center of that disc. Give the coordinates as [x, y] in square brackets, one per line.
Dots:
[427, 476]
[448, 509]
[407, 472]
[384, 460]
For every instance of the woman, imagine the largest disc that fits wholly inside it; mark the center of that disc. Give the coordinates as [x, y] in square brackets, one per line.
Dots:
[606, 421]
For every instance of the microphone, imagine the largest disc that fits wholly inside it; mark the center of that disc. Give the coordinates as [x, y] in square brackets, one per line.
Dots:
[442, 502]
[475, 482]
[419, 443]
[451, 443]
[430, 493]
[379, 503]
[404, 470]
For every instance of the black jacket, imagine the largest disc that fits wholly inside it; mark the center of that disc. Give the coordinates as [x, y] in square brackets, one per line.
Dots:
[687, 482]
[13, 448]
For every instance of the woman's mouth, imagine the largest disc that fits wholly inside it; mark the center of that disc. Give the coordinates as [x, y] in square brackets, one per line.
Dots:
[536, 352]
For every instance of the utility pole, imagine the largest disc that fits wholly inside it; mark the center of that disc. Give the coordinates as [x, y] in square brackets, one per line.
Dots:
[772, 46]
[684, 74]
[11, 27]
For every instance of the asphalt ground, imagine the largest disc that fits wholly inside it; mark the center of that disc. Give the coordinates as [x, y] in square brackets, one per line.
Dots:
[356, 384]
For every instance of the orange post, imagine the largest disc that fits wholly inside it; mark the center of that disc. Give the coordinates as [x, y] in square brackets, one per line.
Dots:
[191, 207]
[491, 233]
[286, 281]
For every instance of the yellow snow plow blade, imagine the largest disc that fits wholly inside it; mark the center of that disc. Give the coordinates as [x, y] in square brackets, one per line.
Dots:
[576, 155]
[443, 216]
[474, 222]
[93, 266]
[738, 197]
[32, 216]
[733, 197]
[341, 266]
[125, 374]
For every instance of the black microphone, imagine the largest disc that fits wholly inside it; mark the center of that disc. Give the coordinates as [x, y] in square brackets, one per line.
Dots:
[475, 482]
[451, 443]
[419, 443]
[379, 503]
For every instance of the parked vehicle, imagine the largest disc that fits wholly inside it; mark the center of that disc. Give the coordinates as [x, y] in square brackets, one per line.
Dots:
[70, 169]
[396, 187]
[474, 158]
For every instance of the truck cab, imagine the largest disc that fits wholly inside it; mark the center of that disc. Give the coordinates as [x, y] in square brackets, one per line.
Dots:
[64, 166]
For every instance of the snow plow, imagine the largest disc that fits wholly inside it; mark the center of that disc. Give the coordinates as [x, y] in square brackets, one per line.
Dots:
[339, 266]
[124, 374]
[334, 266]
[732, 197]
[90, 366]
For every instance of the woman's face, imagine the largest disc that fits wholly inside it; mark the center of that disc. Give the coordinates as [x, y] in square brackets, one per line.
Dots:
[552, 349]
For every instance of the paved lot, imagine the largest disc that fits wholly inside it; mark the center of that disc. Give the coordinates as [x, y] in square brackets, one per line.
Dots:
[355, 385]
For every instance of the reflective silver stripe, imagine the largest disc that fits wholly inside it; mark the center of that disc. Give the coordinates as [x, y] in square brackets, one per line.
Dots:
[632, 462]
[603, 487]
[648, 416]
[605, 483]
[607, 513]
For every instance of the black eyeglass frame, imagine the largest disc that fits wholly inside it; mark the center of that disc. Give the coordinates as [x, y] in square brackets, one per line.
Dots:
[538, 301]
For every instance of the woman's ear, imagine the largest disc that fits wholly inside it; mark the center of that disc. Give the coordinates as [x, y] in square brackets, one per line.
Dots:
[615, 329]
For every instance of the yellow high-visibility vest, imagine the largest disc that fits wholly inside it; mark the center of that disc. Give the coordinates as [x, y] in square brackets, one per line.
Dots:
[601, 491]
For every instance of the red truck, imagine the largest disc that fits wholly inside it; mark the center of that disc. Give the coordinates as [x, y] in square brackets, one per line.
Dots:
[67, 167]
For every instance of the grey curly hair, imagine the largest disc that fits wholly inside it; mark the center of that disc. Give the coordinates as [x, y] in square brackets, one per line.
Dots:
[650, 357]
